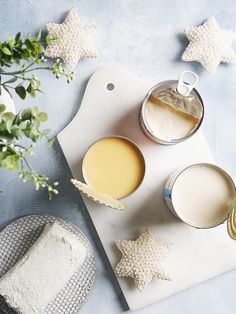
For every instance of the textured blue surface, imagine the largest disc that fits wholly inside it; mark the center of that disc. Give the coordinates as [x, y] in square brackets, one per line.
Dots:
[145, 37]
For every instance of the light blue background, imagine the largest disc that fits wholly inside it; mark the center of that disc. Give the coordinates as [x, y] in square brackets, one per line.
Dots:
[145, 37]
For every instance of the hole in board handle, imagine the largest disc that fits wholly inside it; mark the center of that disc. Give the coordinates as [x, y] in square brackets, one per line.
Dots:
[110, 86]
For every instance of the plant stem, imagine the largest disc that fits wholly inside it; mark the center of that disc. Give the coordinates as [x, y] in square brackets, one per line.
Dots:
[18, 145]
[25, 71]
[26, 162]
[38, 68]
[19, 77]
[29, 65]
[8, 86]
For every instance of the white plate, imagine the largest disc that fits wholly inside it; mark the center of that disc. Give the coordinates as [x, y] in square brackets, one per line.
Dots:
[15, 240]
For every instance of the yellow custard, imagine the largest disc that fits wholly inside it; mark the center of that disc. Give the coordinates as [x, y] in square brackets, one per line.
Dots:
[114, 166]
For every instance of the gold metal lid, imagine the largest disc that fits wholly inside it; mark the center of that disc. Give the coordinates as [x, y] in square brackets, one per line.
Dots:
[231, 221]
[180, 96]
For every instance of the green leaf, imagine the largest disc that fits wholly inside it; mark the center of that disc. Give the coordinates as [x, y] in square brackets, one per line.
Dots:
[8, 126]
[48, 39]
[6, 51]
[38, 47]
[18, 35]
[7, 63]
[23, 125]
[46, 132]
[51, 142]
[3, 154]
[8, 116]
[38, 37]
[42, 117]
[16, 131]
[36, 123]
[11, 41]
[6, 136]
[17, 55]
[26, 114]
[35, 111]
[29, 44]
[20, 90]
[11, 162]
[31, 90]
[2, 108]
[12, 80]
[34, 134]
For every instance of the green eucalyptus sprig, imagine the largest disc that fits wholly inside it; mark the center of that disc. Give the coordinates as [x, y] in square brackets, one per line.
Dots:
[13, 154]
[27, 56]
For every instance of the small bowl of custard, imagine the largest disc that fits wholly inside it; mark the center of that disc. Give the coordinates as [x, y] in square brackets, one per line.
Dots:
[114, 165]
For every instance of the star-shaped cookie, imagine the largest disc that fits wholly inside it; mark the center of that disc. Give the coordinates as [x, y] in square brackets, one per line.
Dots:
[142, 259]
[72, 40]
[210, 44]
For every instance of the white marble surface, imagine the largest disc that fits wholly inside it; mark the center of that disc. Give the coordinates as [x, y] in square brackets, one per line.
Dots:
[204, 253]
[146, 37]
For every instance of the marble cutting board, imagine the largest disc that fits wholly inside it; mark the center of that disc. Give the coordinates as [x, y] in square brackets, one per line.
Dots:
[196, 255]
